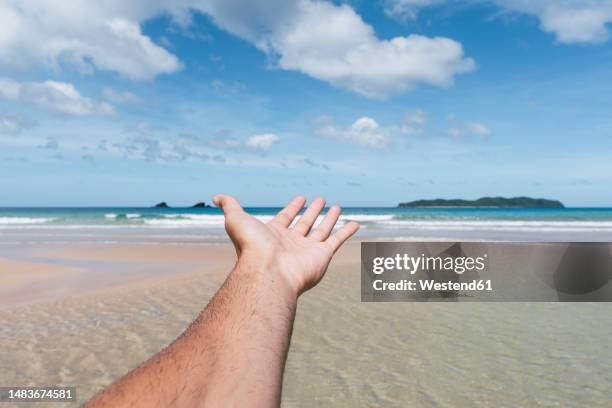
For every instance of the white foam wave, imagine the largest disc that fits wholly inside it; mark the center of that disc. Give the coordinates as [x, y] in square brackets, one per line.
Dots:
[372, 221]
[217, 220]
[194, 220]
[24, 220]
[113, 216]
[387, 221]
[367, 217]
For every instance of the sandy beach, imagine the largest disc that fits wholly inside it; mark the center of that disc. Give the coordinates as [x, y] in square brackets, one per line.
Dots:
[84, 315]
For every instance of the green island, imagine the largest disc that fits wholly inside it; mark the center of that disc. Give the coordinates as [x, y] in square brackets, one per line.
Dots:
[491, 202]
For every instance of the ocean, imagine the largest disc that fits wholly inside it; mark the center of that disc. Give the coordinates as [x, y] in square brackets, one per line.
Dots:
[205, 225]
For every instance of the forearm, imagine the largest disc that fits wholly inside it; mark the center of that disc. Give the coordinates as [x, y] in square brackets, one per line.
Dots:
[251, 342]
[233, 352]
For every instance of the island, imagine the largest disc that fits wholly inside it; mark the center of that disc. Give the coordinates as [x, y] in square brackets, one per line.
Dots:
[485, 202]
[201, 205]
[161, 205]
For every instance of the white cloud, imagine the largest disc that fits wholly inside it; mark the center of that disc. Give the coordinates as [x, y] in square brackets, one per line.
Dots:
[9, 126]
[144, 142]
[478, 129]
[571, 21]
[50, 144]
[86, 35]
[406, 9]
[417, 117]
[257, 143]
[53, 96]
[262, 142]
[324, 40]
[187, 146]
[364, 131]
[13, 125]
[473, 129]
[223, 140]
[120, 97]
[455, 132]
[332, 43]
[106, 108]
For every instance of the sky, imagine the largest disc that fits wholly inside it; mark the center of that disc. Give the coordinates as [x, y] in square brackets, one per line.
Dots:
[367, 103]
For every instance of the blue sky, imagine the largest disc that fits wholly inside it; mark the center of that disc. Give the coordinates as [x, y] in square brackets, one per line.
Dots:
[363, 102]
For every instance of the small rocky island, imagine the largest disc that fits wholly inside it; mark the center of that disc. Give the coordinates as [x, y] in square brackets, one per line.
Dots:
[485, 202]
[201, 205]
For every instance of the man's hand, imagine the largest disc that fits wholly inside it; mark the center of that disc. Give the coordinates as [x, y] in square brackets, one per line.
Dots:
[299, 258]
[234, 352]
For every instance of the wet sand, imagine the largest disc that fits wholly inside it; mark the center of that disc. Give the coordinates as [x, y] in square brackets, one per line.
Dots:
[114, 306]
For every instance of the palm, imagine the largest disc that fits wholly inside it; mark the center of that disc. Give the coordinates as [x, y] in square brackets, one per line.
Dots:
[303, 258]
[306, 257]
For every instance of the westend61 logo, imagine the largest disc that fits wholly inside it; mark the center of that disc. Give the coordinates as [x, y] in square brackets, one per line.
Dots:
[486, 271]
[412, 264]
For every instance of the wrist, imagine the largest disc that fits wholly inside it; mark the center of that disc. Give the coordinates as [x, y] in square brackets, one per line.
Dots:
[266, 274]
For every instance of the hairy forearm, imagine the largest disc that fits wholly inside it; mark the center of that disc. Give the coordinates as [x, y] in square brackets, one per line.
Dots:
[232, 353]
[251, 344]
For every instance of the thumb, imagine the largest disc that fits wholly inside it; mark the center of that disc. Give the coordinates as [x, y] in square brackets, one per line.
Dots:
[227, 203]
[230, 206]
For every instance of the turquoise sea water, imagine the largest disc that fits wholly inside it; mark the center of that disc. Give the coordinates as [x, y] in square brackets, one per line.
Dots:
[180, 225]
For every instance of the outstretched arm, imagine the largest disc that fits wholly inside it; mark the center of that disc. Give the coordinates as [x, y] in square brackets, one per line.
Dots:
[234, 353]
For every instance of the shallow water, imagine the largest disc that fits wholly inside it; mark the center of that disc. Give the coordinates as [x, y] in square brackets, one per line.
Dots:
[343, 353]
[348, 353]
